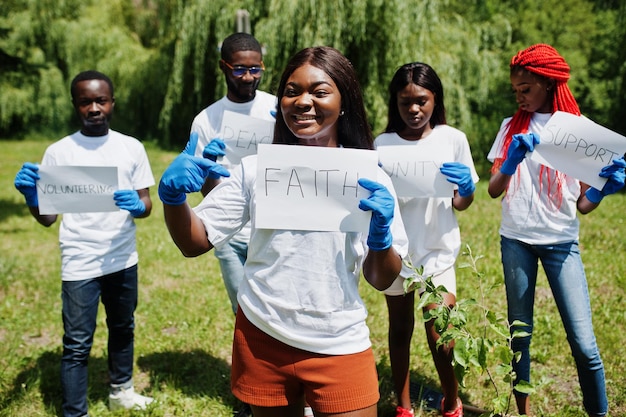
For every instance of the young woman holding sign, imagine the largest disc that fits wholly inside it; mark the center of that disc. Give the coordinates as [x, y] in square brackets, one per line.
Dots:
[300, 332]
[417, 117]
[539, 221]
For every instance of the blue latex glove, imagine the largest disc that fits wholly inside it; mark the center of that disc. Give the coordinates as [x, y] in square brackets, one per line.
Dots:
[616, 176]
[460, 175]
[382, 204]
[520, 144]
[273, 113]
[186, 174]
[214, 149]
[129, 200]
[25, 182]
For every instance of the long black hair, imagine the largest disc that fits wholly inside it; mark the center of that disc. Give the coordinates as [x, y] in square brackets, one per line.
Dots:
[420, 74]
[353, 130]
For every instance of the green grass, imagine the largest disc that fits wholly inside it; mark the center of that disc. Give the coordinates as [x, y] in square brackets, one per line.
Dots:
[184, 322]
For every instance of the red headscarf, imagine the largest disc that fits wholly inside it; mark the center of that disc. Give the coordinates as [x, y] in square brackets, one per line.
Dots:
[543, 60]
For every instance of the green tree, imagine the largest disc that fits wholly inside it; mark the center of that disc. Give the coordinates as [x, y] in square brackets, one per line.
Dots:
[606, 94]
[45, 43]
[163, 54]
[379, 36]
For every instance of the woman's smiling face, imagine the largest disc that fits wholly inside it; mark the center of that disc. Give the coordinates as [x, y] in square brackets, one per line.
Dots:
[311, 106]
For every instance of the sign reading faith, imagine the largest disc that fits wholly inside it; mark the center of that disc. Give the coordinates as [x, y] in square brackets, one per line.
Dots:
[76, 189]
[242, 135]
[313, 188]
[578, 147]
[414, 170]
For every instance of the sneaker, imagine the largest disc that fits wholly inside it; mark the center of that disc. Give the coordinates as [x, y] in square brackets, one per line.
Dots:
[128, 399]
[456, 413]
[403, 412]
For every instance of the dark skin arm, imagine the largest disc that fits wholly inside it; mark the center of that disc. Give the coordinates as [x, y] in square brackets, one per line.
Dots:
[381, 268]
[144, 195]
[498, 184]
[461, 203]
[209, 184]
[44, 219]
[187, 230]
[583, 205]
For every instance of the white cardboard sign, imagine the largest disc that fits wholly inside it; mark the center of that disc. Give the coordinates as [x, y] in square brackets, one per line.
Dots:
[312, 188]
[578, 147]
[76, 189]
[414, 170]
[242, 135]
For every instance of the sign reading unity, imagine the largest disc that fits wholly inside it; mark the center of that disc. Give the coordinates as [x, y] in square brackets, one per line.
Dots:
[242, 135]
[313, 188]
[578, 147]
[76, 189]
[414, 170]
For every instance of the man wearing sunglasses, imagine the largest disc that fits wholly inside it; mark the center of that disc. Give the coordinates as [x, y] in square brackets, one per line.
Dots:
[242, 66]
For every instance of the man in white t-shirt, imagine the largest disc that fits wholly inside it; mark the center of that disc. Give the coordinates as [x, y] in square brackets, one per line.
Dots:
[98, 250]
[242, 65]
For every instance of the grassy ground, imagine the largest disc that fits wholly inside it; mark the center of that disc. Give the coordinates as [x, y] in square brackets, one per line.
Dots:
[184, 322]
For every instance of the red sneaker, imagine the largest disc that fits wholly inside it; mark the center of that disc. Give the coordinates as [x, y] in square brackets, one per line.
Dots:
[455, 413]
[403, 412]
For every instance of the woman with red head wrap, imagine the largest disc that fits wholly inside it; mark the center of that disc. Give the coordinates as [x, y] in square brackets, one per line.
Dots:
[539, 221]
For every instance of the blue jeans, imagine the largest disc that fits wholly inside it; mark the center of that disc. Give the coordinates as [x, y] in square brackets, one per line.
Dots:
[566, 275]
[118, 292]
[232, 256]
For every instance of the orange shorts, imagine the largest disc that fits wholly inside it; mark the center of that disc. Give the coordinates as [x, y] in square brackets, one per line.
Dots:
[269, 373]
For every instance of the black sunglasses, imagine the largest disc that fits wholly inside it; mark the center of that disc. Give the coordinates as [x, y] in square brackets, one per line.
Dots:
[239, 70]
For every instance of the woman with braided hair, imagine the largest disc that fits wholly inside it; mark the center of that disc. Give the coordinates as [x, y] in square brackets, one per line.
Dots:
[539, 221]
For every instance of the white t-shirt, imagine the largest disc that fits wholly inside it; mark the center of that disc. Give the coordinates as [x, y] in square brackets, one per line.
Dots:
[430, 223]
[529, 214]
[300, 287]
[208, 125]
[97, 244]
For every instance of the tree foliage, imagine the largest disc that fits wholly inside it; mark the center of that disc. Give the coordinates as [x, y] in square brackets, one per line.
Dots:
[163, 54]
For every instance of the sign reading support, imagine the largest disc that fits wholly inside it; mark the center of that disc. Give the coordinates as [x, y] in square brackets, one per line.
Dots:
[578, 147]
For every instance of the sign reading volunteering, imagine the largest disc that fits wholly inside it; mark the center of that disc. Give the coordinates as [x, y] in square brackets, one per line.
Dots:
[242, 135]
[414, 170]
[313, 188]
[578, 147]
[76, 189]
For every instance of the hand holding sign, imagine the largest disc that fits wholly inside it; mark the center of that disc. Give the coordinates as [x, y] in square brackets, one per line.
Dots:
[186, 174]
[381, 204]
[214, 149]
[459, 174]
[26, 181]
[129, 200]
[520, 145]
[615, 174]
